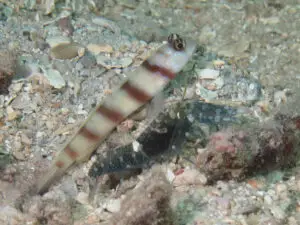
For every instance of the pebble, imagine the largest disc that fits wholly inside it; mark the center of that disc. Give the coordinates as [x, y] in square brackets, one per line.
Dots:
[55, 79]
[292, 221]
[235, 50]
[16, 87]
[19, 155]
[280, 188]
[65, 25]
[270, 20]
[219, 64]
[82, 198]
[25, 140]
[205, 93]
[207, 35]
[58, 40]
[222, 186]
[268, 200]
[62, 47]
[280, 97]
[97, 48]
[190, 177]
[78, 66]
[125, 62]
[113, 63]
[132, 4]
[62, 67]
[113, 205]
[22, 101]
[71, 120]
[11, 216]
[207, 73]
[219, 82]
[103, 22]
[277, 212]
[170, 175]
[11, 113]
[67, 51]
[88, 61]
[49, 6]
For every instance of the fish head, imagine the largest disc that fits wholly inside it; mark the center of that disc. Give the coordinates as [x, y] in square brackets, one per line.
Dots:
[174, 54]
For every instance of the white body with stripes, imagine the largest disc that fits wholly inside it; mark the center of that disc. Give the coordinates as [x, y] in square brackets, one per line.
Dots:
[142, 85]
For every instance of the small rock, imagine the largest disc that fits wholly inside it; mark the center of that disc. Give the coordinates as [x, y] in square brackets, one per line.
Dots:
[97, 48]
[190, 177]
[205, 93]
[132, 4]
[113, 63]
[78, 66]
[103, 22]
[25, 140]
[208, 74]
[219, 82]
[113, 205]
[58, 40]
[16, 87]
[49, 6]
[9, 215]
[125, 62]
[277, 212]
[63, 47]
[280, 188]
[271, 20]
[65, 25]
[30, 4]
[11, 113]
[71, 120]
[54, 78]
[170, 175]
[235, 50]
[81, 52]
[268, 200]
[67, 51]
[19, 155]
[92, 219]
[219, 64]
[292, 221]
[83, 198]
[88, 61]
[34, 206]
[280, 97]
[207, 35]
[223, 203]
[21, 101]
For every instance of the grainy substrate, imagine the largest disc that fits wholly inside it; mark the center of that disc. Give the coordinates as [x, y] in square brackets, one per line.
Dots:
[66, 67]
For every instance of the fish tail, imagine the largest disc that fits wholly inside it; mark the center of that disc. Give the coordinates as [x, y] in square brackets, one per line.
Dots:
[55, 172]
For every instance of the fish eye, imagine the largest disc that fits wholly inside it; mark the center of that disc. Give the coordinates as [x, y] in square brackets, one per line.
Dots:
[176, 42]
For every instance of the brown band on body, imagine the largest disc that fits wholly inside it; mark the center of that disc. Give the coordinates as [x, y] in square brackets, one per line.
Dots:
[112, 115]
[72, 154]
[136, 93]
[59, 164]
[88, 134]
[157, 69]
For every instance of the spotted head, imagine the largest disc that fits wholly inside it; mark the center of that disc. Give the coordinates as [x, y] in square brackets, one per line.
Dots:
[174, 55]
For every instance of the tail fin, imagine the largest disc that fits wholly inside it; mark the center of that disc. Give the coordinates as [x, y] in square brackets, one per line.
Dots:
[55, 172]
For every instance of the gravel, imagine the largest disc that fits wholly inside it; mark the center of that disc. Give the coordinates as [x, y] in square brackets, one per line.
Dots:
[72, 54]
